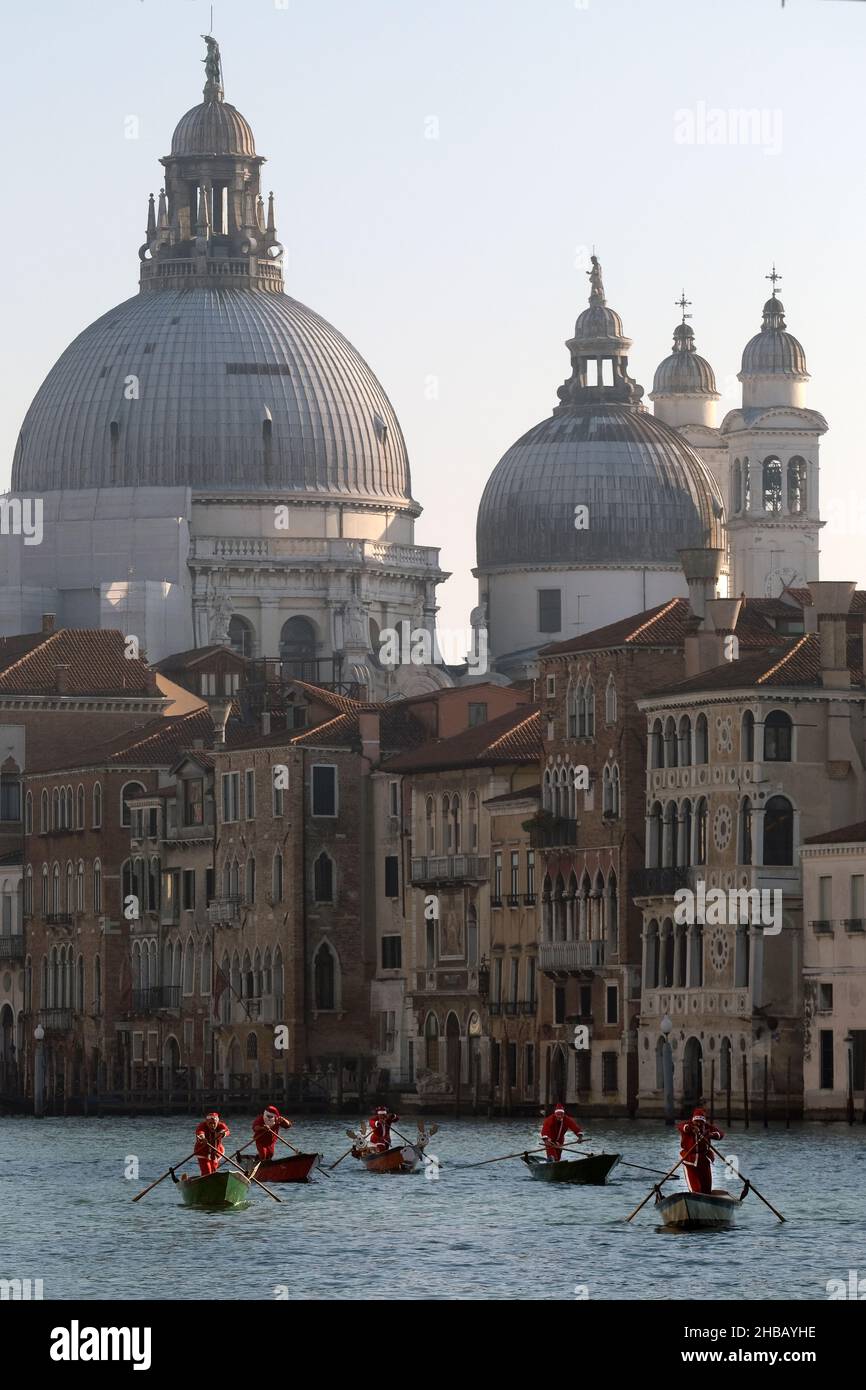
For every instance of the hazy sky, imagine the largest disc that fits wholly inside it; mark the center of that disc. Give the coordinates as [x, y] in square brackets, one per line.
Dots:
[455, 264]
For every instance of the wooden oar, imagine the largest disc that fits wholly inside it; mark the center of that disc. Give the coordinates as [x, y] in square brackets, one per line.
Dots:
[655, 1188]
[348, 1151]
[163, 1178]
[434, 1162]
[224, 1158]
[751, 1186]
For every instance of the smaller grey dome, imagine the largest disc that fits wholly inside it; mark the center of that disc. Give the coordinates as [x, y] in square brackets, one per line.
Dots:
[774, 351]
[213, 127]
[598, 321]
[684, 372]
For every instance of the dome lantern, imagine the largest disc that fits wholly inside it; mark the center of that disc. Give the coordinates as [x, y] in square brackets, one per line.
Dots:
[599, 354]
[684, 385]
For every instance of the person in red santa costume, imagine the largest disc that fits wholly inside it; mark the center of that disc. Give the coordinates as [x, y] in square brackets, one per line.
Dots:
[695, 1151]
[555, 1128]
[265, 1128]
[209, 1146]
[380, 1124]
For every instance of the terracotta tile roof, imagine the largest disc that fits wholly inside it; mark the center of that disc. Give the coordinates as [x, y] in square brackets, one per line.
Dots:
[159, 743]
[95, 661]
[795, 662]
[666, 625]
[399, 730]
[518, 794]
[183, 661]
[846, 834]
[331, 698]
[858, 600]
[514, 737]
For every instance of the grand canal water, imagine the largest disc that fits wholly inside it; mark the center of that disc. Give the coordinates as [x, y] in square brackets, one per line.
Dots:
[485, 1233]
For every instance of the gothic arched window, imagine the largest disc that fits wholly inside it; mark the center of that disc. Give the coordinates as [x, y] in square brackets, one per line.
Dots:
[797, 496]
[772, 485]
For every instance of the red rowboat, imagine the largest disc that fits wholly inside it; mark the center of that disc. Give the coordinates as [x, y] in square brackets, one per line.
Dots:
[403, 1160]
[292, 1168]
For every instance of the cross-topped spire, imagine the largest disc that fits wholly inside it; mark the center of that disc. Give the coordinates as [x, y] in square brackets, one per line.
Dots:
[683, 304]
[773, 276]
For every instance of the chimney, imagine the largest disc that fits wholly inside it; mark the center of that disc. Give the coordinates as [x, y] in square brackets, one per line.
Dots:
[61, 679]
[831, 603]
[368, 727]
[701, 567]
[266, 721]
[47, 624]
[705, 642]
[220, 709]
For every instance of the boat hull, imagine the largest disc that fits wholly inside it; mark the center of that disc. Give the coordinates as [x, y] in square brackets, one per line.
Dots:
[403, 1160]
[216, 1192]
[292, 1168]
[698, 1211]
[591, 1171]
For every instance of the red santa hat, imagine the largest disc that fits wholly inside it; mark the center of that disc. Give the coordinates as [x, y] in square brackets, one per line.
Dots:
[273, 1109]
[560, 1109]
[212, 1115]
[699, 1113]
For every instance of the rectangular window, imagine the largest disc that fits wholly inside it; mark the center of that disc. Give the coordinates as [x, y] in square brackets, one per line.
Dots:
[250, 793]
[826, 1060]
[611, 1005]
[431, 944]
[497, 980]
[393, 799]
[585, 997]
[193, 801]
[531, 979]
[583, 1071]
[231, 787]
[512, 1064]
[530, 873]
[392, 952]
[277, 800]
[477, 713]
[392, 876]
[858, 1058]
[858, 903]
[825, 998]
[138, 1047]
[550, 610]
[515, 874]
[514, 988]
[529, 1067]
[550, 687]
[209, 883]
[559, 1004]
[495, 1064]
[825, 897]
[609, 1072]
[497, 879]
[188, 889]
[324, 790]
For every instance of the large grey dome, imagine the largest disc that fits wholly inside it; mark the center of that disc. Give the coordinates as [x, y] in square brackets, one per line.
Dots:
[774, 351]
[236, 388]
[648, 493]
[213, 127]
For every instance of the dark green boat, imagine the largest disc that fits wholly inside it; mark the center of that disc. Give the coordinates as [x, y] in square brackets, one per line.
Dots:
[217, 1192]
[592, 1170]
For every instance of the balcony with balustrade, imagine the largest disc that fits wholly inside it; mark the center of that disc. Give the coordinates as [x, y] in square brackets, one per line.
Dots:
[431, 869]
[571, 957]
[155, 999]
[12, 947]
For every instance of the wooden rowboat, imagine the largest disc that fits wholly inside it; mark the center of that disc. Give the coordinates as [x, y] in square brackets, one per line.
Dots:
[403, 1160]
[292, 1168]
[592, 1170]
[698, 1211]
[217, 1192]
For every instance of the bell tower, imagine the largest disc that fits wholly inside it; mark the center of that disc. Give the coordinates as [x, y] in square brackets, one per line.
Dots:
[773, 441]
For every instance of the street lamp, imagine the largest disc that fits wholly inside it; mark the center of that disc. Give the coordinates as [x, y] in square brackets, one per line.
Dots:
[668, 1069]
[39, 1072]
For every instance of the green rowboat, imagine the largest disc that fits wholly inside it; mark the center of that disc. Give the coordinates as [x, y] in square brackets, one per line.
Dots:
[216, 1192]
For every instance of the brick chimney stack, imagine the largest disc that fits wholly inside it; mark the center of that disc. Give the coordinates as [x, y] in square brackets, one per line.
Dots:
[47, 624]
[61, 679]
[368, 727]
[831, 603]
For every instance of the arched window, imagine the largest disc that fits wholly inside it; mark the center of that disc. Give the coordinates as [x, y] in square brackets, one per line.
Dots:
[669, 836]
[747, 486]
[745, 854]
[28, 893]
[445, 815]
[747, 738]
[189, 967]
[738, 486]
[700, 855]
[655, 837]
[772, 485]
[430, 821]
[79, 887]
[298, 649]
[55, 809]
[657, 745]
[97, 986]
[250, 880]
[55, 890]
[606, 798]
[670, 743]
[473, 823]
[240, 635]
[797, 497]
[252, 1047]
[206, 969]
[79, 985]
[323, 879]
[325, 978]
[455, 824]
[472, 935]
[43, 814]
[28, 814]
[277, 878]
[97, 806]
[684, 742]
[572, 697]
[45, 908]
[651, 972]
[129, 791]
[741, 956]
[589, 705]
[97, 886]
[610, 701]
[615, 791]
[153, 885]
[79, 805]
[777, 737]
[612, 913]
[684, 855]
[702, 742]
[667, 954]
[779, 831]
[431, 1042]
[580, 706]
